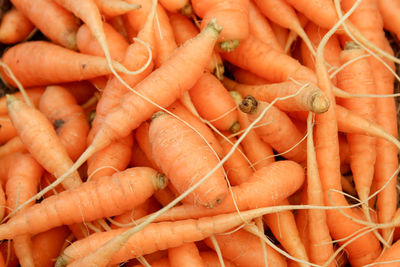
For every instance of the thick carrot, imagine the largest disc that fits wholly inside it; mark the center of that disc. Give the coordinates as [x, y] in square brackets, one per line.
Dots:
[276, 129]
[43, 13]
[231, 15]
[67, 117]
[175, 147]
[51, 153]
[390, 257]
[121, 184]
[23, 179]
[41, 63]
[14, 27]
[242, 248]
[88, 44]
[185, 255]
[257, 191]
[113, 8]
[209, 90]
[309, 96]
[34, 95]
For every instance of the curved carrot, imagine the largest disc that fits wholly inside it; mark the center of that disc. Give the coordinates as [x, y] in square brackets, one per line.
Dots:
[67, 117]
[278, 131]
[185, 255]
[309, 97]
[113, 8]
[88, 44]
[14, 27]
[144, 178]
[42, 63]
[175, 147]
[43, 13]
[51, 154]
[209, 90]
[233, 16]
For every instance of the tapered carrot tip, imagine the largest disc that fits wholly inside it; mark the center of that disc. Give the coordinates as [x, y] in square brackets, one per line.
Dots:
[62, 261]
[235, 127]
[187, 10]
[351, 45]
[10, 99]
[213, 26]
[229, 46]
[160, 181]
[249, 104]
[319, 102]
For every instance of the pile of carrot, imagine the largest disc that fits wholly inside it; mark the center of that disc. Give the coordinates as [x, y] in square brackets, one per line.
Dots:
[199, 133]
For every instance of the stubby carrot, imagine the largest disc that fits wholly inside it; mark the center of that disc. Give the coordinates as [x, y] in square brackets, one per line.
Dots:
[185, 158]
[121, 184]
[14, 27]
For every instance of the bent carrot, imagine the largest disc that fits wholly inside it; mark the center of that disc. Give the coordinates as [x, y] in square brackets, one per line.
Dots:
[14, 27]
[122, 184]
[175, 148]
[43, 13]
[42, 63]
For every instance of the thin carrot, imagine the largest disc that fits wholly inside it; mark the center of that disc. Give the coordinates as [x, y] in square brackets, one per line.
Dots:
[176, 147]
[209, 90]
[14, 27]
[144, 178]
[185, 255]
[310, 97]
[231, 15]
[41, 63]
[43, 13]
[115, 8]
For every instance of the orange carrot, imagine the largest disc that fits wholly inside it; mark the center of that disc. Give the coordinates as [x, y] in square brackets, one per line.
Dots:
[143, 140]
[222, 115]
[33, 93]
[391, 255]
[113, 8]
[210, 259]
[41, 63]
[309, 98]
[388, 9]
[14, 27]
[233, 16]
[174, 148]
[43, 13]
[7, 130]
[51, 154]
[276, 129]
[281, 34]
[67, 117]
[241, 248]
[47, 246]
[88, 44]
[182, 6]
[144, 178]
[2, 203]
[185, 255]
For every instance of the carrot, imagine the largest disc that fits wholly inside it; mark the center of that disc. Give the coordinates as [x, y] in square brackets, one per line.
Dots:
[34, 95]
[67, 117]
[82, 91]
[23, 179]
[88, 44]
[319, 239]
[14, 27]
[174, 148]
[31, 63]
[185, 255]
[241, 248]
[391, 255]
[168, 234]
[237, 167]
[325, 9]
[178, 109]
[51, 154]
[247, 77]
[388, 9]
[260, 28]
[164, 262]
[310, 97]
[175, 6]
[144, 178]
[184, 30]
[138, 157]
[7, 130]
[250, 194]
[47, 246]
[358, 78]
[115, 8]
[8, 254]
[114, 158]
[231, 15]
[210, 259]
[366, 248]
[43, 13]
[278, 131]
[281, 34]
[143, 140]
[2, 203]
[5, 163]
[223, 115]
[284, 15]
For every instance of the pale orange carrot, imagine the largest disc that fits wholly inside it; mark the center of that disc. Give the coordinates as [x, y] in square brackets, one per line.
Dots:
[113, 8]
[34, 95]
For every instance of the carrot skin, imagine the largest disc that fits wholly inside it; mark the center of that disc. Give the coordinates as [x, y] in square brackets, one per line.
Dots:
[15, 27]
